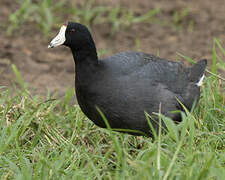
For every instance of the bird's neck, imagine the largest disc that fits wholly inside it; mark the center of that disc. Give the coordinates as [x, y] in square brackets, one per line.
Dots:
[86, 62]
[85, 54]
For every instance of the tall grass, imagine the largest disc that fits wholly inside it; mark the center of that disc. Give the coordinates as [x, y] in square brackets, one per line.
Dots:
[46, 138]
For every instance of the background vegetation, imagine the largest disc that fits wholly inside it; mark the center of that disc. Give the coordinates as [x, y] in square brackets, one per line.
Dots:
[48, 138]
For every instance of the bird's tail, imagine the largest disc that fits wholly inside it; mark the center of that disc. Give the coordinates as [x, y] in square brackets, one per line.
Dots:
[196, 72]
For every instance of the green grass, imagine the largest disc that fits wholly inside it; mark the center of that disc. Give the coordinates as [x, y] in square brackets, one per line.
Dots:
[48, 14]
[47, 138]
[180, 18]
[44, 14]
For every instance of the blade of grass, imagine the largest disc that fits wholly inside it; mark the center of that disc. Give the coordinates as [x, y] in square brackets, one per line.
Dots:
[19, 77]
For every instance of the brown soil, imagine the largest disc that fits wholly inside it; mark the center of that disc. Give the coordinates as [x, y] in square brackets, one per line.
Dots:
[53, 69]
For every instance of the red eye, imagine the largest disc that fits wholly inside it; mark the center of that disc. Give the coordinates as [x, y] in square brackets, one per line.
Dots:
[73, 30]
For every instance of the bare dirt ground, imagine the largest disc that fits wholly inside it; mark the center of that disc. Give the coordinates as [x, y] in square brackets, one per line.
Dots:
[53, 69]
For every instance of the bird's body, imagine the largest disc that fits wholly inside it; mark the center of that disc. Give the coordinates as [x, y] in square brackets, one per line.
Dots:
[126, 85]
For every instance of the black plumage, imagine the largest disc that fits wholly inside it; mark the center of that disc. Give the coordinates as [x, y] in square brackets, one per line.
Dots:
[125, 85]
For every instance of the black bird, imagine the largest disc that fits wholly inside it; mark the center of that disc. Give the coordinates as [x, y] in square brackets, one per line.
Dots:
[127, 84]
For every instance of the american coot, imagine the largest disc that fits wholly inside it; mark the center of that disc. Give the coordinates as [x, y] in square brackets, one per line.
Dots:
[125, 85]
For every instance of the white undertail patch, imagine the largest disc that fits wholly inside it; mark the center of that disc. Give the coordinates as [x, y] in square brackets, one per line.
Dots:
[200, 82]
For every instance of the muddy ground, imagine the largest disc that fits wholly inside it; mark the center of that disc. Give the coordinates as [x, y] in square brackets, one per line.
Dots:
[53, 69]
